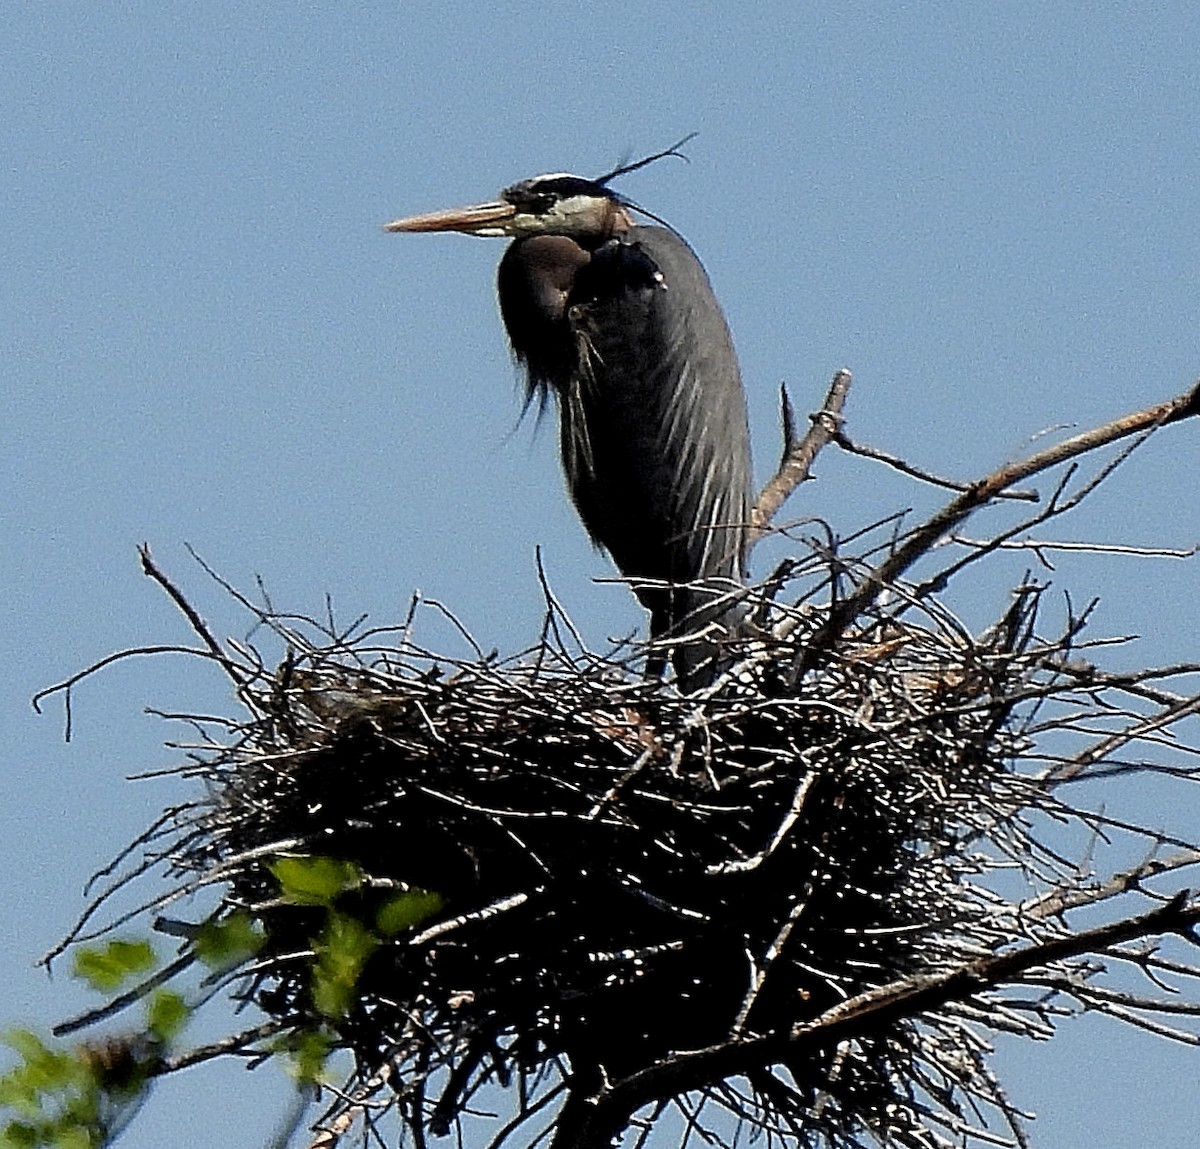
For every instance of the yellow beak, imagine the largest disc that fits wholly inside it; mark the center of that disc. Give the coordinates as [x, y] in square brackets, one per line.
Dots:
[482, 219]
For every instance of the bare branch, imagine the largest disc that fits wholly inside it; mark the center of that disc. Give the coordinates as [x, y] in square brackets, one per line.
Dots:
[1084, 548]
[798, 456]
[898, 464]
[121, 1001]
[980, 494]
[609, 1109]
[236, 1045]
[150, 568]
[67, 684]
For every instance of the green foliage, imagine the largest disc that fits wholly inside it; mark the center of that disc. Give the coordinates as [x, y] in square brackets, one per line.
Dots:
[69, 1099]
[223, 944]
[166, 1014]
[345, 943]
[407, 910]
[107, 968]
[80, 1097]
[42, 1071]
[350, 935]
[342, 950]
[306, 1052]
[315, 881]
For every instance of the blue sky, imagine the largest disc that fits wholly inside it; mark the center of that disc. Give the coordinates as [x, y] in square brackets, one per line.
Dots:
[987, 211]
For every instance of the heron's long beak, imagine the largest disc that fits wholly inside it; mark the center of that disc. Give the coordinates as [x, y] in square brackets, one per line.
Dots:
[482, 219]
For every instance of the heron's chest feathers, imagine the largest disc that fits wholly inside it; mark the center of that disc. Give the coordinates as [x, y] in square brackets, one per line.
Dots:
[535, 280]
[569, 309]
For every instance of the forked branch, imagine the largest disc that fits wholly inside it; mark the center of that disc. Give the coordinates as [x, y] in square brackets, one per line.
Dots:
[798, 454]
[980, 494]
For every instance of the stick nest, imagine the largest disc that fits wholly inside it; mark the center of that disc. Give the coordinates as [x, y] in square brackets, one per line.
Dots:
[807, 896]
[625, 872]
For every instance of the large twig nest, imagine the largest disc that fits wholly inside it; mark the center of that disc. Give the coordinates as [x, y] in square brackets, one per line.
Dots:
[797, 895]
[626, 872]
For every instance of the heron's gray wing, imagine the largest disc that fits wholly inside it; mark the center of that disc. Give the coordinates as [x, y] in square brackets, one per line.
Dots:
[655, 439]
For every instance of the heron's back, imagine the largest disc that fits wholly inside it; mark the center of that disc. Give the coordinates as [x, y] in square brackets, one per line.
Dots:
[655, 440]
[655, 443]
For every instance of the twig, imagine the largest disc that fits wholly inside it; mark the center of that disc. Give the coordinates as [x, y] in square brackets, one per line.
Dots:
[1168, 716]
[458, 625]
[331, 1131]
[150, 568]
[555, 610]
[798, 456]
[497, 907]
[525, 1113]
[1086, 548]
[763, 968]
[67, 684]
[895, 462]
[742, 865]
[118, 1003]
[1059, 901]
[237, 1043]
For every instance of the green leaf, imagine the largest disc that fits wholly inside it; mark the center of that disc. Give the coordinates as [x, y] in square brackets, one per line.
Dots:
[307, 1051]
[17, 1093]
[42, 1071]
[166, 1015]
[109, 967]
[59, 1095]
[19, 1135]
[78, 1137]
[224, 944]
[342, 950]
[315, 881]
[407, 910]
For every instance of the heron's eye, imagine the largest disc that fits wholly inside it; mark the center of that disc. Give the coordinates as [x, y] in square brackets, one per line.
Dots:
[540, 202]
[539, 196]
[529, 199]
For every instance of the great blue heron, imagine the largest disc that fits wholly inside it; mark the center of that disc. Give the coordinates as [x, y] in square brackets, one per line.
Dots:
[618, 321]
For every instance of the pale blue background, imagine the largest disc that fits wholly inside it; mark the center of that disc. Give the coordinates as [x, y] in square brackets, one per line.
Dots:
[990, 212]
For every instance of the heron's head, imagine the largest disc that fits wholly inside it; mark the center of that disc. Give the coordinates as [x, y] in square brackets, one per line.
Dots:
[555, 204]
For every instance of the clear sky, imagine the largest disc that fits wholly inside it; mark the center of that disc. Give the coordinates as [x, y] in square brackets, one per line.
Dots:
[988, 211]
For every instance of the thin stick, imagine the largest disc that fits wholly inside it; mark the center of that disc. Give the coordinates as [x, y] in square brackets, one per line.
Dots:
[895, 462]
[189, 612]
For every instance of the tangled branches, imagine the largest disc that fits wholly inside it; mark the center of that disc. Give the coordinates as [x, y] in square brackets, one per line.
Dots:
[807, 896]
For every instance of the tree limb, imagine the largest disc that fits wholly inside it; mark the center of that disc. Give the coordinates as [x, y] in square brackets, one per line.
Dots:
[898, 464]
[981, 493]
[798, 455]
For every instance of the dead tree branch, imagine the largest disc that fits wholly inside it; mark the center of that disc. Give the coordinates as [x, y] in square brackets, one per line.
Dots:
[982, 493]
[905, 468]
[799, 454]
